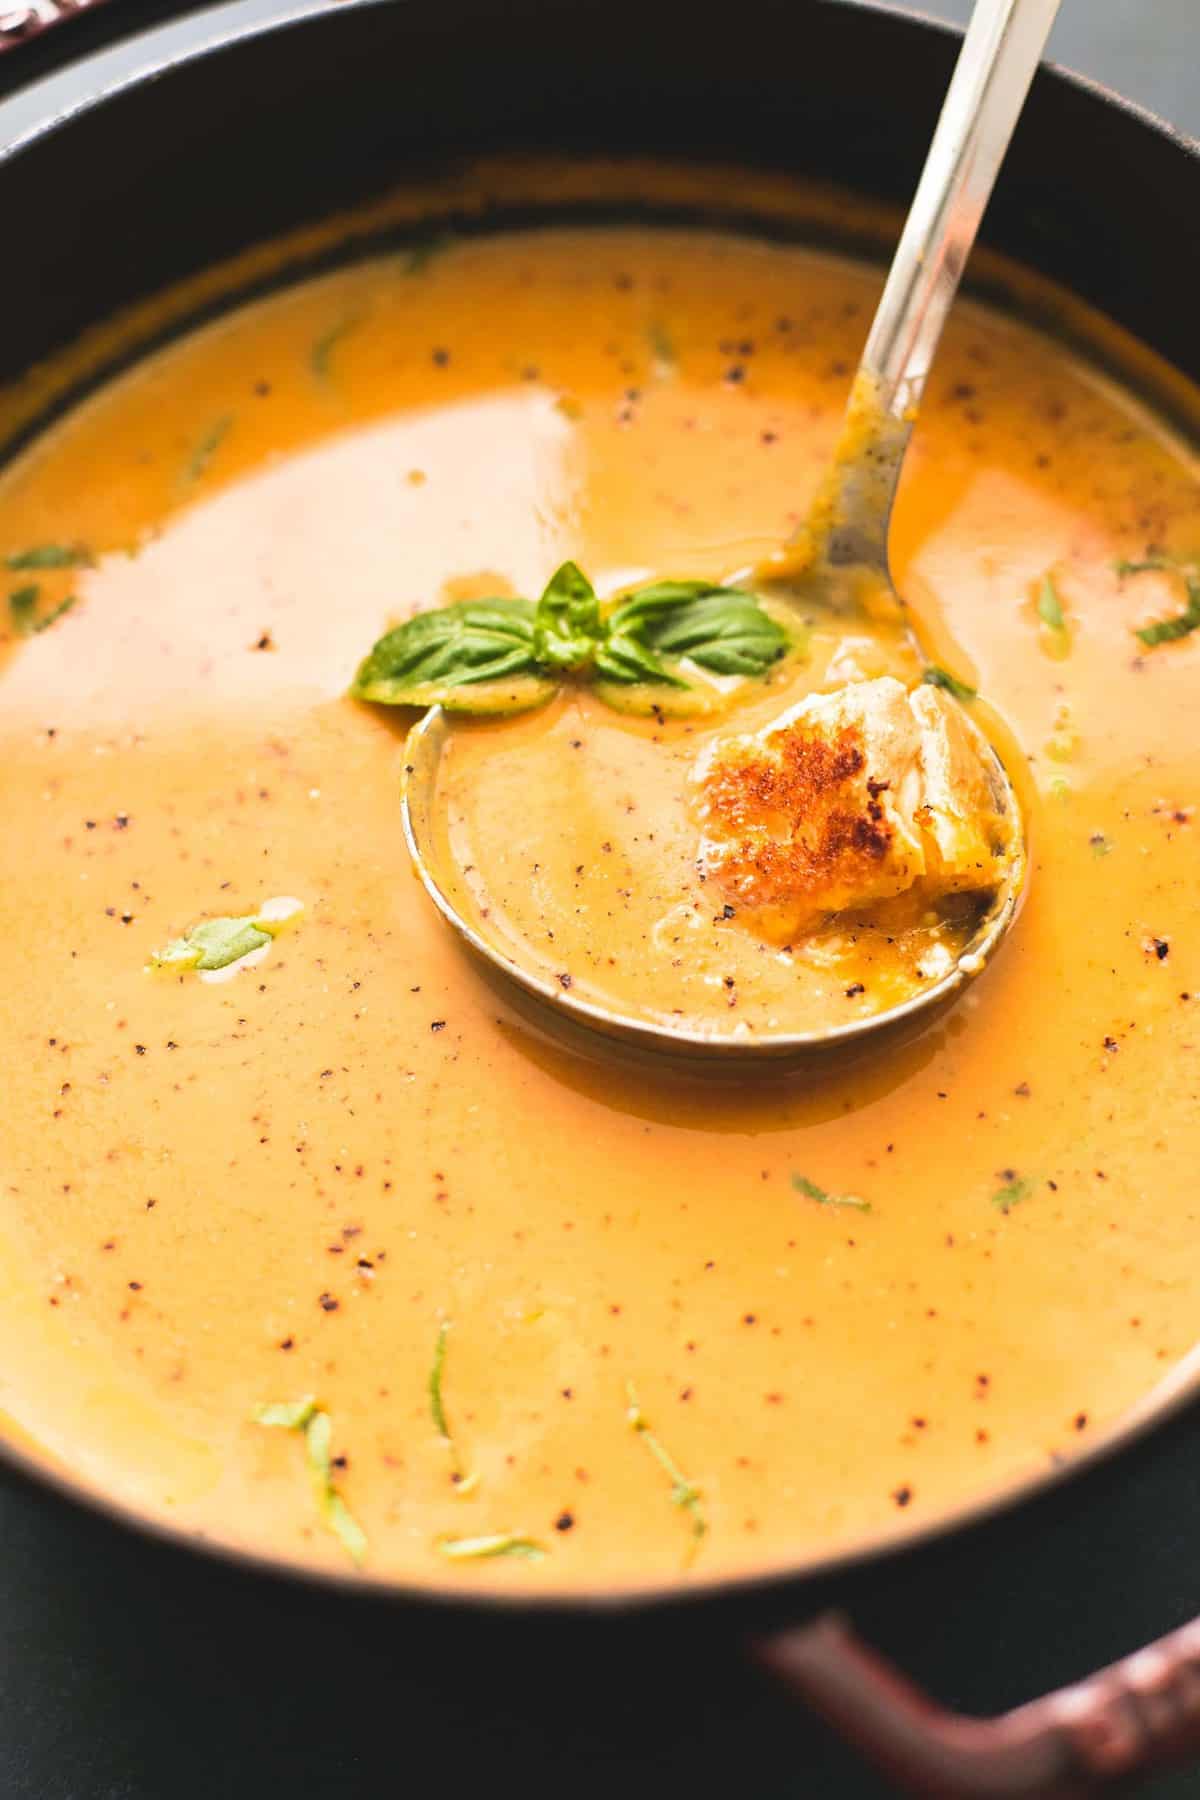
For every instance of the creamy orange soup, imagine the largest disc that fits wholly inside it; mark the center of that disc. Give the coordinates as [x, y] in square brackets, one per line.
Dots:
[572, 1324]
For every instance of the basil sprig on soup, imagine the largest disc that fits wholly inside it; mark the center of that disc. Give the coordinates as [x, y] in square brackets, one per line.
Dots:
[507, 655]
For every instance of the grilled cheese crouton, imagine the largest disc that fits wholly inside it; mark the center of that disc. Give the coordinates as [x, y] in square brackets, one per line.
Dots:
[846, 801]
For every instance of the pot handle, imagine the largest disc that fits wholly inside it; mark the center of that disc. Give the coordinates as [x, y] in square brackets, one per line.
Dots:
[1139, 1714]
[19, 23]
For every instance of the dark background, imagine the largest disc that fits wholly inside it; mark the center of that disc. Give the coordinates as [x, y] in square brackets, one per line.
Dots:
[130, 1672]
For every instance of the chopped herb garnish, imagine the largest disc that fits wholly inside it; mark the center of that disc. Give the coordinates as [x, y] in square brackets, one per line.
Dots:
[421, 254]
[287, 1415]
[219, 943]
[1013, 1192]
[54, 615]
[1049, 605]
[803, 1185]
[1165, 631]
[50, 556]
[1182, 624]
[935, 676]
[684, 1493]
[21, 605]
[662, 345]
[323, 349]
[490, 1545]
[305, 1416]
[206, 448]
[496, 1543]
[507, 654]
[22, 608]
[463, 1482]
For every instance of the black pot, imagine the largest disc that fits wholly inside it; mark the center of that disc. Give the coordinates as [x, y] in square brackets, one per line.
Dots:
[230, 135]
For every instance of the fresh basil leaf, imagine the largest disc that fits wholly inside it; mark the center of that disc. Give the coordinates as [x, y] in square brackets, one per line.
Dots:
[21, 605]
[938, 677]
[622, 658]
[567, 627]
[496, 1543]
[449, 647]
[1049, 606]
[345, 1527]
[721, 629]
[50, 556]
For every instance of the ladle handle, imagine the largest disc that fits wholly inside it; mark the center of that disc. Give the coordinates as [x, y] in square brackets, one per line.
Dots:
[1000, 54]
[848, 520]
[1098, 1736]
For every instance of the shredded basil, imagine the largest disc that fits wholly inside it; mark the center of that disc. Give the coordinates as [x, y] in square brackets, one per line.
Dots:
[662, 345]
[684, 1493]
[939, 677]
[465, 1483]
[1181, 624]
[218, 943]
[321, 354]
[803, 1185]
[22, 603]
[305, 1416]
[54, 615]
[206, 448]
[50, 556]
[496, 1543]
[1049, 606]
[419, 256]
[1013, 1192]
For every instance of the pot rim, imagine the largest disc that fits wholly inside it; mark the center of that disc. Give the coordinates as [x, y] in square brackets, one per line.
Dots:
[35, 112]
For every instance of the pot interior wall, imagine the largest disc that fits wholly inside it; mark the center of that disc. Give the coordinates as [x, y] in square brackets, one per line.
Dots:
[253, 138]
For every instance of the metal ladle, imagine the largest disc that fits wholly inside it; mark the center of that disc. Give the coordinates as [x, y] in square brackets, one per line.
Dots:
[839, 556]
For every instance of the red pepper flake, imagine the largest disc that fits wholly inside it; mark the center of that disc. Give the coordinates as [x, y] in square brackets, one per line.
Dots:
[328, 1303]
[287, 1343]
[902, 1495]
[855, 988]
[565, 979]
[565, 1521]
[437, 1025]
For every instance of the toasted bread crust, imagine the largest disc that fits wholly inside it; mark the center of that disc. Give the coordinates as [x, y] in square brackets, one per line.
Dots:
[749, 794]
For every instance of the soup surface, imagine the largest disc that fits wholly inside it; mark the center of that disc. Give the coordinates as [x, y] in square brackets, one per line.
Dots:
[572, 1324]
